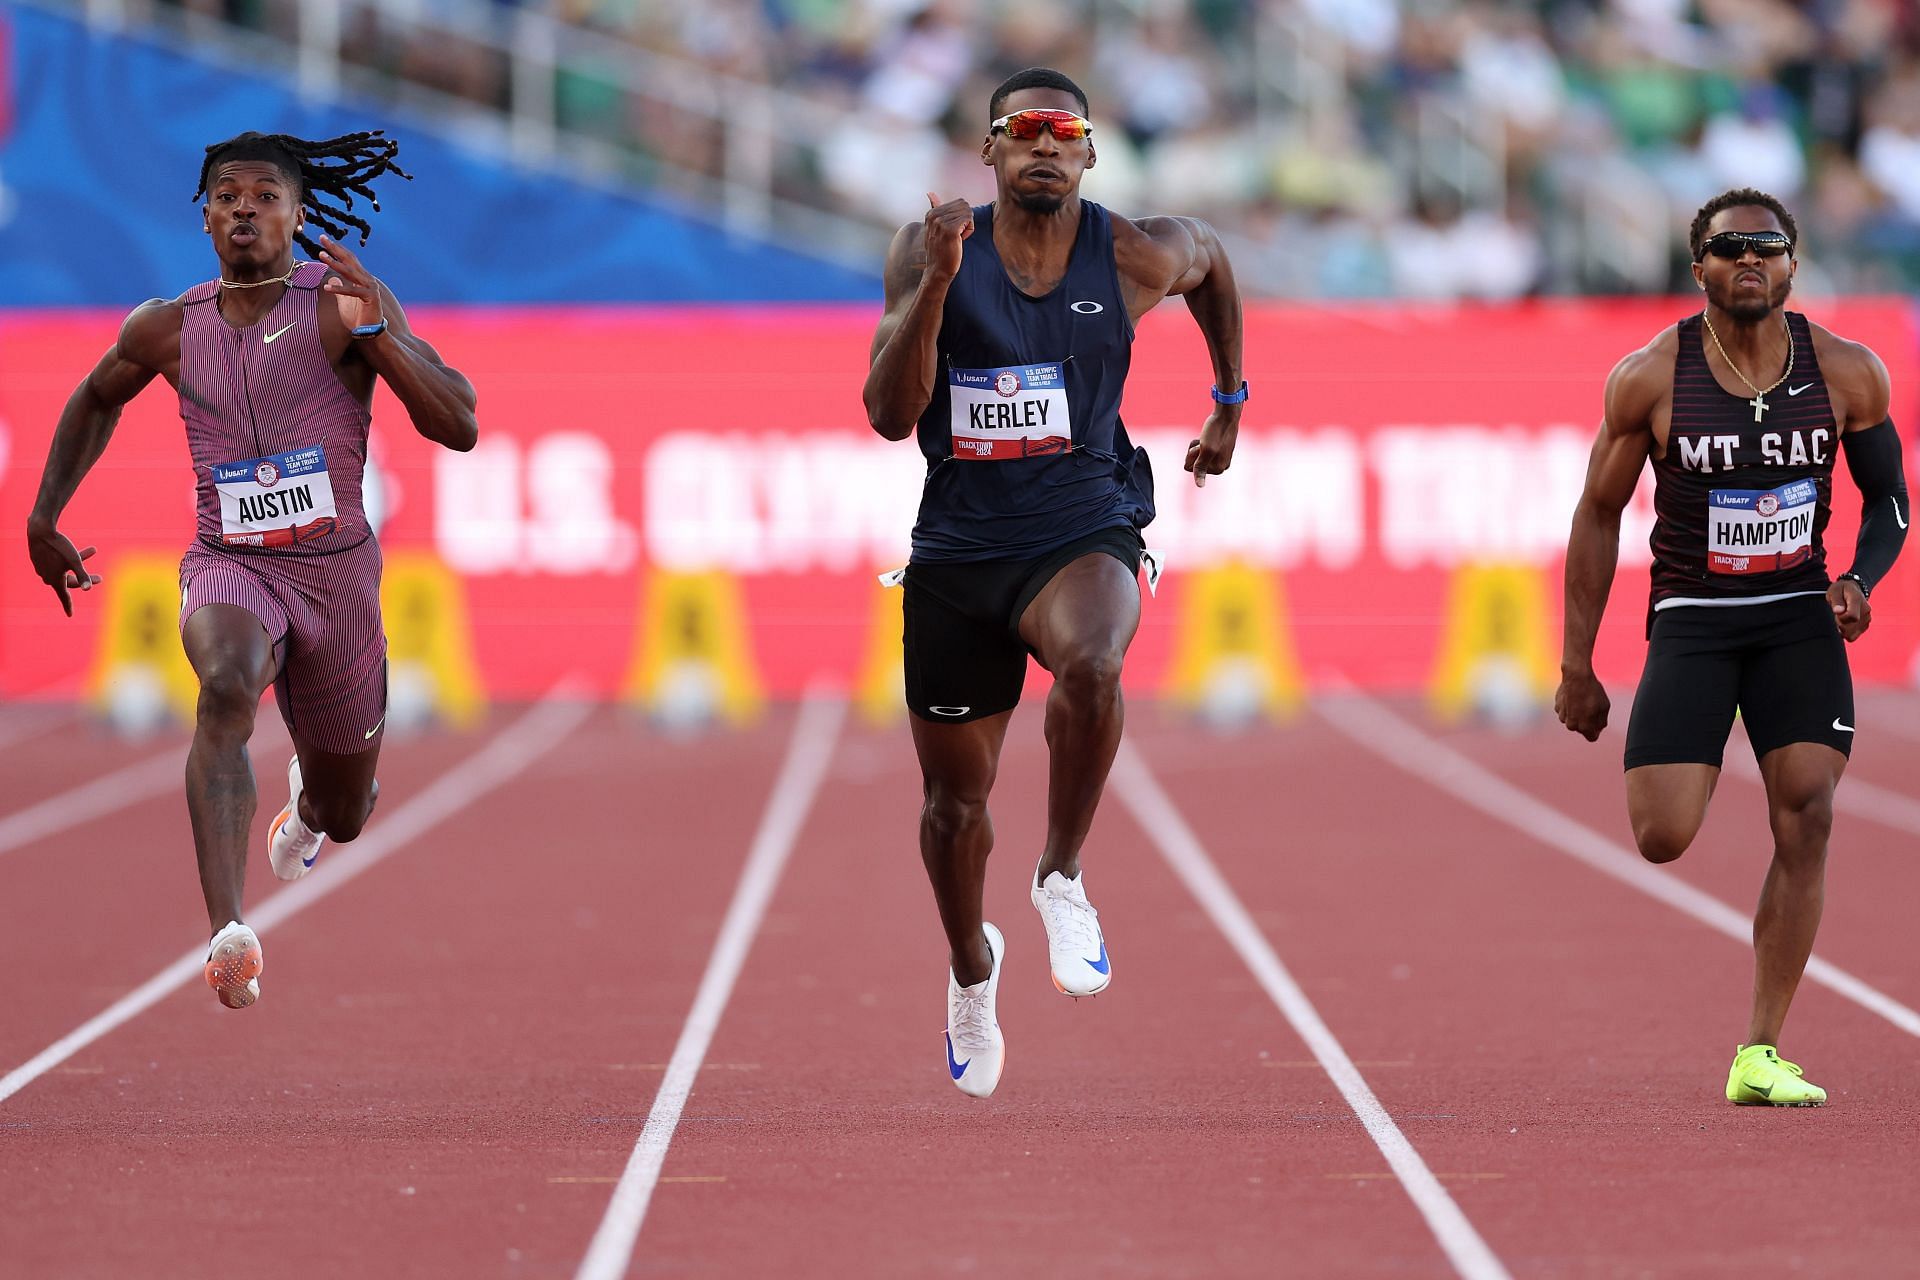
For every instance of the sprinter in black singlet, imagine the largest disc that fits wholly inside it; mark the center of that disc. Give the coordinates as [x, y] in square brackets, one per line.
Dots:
[1742, 409]
[1009, 357]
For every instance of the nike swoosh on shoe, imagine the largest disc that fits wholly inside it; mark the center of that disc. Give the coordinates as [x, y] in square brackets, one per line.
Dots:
[1100, 965]
[956, 1069]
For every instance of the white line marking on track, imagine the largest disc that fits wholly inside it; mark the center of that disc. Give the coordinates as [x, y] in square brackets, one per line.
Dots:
[511, 751]
[121, 789]
[1151, 807]
[814, 732]
[1401, 743]
[28, 723]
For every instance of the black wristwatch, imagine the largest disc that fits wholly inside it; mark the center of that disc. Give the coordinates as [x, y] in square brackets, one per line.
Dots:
[1850, 576]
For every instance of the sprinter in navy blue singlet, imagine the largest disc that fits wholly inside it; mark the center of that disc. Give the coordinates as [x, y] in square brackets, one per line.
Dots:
[1742, 410]
[1005, 345]
[1023, 440]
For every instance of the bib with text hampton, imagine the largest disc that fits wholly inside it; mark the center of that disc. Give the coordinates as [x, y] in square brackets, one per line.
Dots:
[1760, 530]
[276, 501]
[1016, 412]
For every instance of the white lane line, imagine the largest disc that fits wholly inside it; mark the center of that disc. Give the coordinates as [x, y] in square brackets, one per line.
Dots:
[511, 751]
[124, 787]
[1401, 743]
[25, 724]
[1891, 711]
[814, 733]
[1142, 794]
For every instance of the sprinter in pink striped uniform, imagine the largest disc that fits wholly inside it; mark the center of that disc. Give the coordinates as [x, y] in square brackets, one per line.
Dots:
[275, 363]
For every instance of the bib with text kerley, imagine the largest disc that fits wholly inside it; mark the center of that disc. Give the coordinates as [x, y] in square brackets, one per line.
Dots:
[276, 501]
[1760, 530]
[1016, 412]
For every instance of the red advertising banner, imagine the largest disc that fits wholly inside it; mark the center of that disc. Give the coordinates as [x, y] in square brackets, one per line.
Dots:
[1386, 451]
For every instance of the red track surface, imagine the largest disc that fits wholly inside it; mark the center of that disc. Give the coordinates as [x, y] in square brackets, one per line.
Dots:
[454, 1054]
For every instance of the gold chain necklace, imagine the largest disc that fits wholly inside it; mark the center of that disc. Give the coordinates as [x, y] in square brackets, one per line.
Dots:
[288, 279]
[1759, 401]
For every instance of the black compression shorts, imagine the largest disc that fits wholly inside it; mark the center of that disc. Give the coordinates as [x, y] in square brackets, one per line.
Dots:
[965, 659]
[1782, 664]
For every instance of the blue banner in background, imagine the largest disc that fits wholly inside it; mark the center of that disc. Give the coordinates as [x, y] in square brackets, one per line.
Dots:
[108, 133]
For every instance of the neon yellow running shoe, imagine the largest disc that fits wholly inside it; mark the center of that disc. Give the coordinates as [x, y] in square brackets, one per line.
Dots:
[1762, 1078]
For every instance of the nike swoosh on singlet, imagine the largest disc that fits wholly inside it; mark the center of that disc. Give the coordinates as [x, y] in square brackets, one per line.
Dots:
[1897, 517]
[1794, 391]
[277, 332]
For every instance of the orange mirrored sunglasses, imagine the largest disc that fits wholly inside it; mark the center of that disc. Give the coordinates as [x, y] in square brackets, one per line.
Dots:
[1026, 125]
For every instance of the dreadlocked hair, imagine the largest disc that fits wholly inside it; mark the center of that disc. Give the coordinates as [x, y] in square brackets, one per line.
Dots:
[339, 167]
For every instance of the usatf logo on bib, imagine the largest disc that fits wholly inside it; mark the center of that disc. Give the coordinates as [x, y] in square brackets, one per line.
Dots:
[1016, 412]
[276, 501]
[1760, 530]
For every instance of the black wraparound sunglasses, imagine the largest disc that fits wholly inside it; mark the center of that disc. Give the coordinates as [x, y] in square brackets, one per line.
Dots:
[1732, 244]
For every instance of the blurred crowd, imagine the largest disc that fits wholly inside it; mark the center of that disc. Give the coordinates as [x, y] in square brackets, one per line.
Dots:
[1347, 148]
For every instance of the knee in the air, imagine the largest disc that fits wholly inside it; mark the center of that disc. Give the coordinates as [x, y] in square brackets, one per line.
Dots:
[341, 820]
[1661, 843]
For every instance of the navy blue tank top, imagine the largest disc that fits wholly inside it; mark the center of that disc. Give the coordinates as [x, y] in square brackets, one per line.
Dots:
[1024, 445]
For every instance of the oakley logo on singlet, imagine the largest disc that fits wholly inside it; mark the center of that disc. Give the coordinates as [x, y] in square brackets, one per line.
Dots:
[1019, 411]
[275, 501]
[277, 332]
[1086, 308]
[1777, 449]
[1760, 530]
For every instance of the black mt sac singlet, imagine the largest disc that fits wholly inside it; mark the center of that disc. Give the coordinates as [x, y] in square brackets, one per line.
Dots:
[1739, 504]
[1024, 445]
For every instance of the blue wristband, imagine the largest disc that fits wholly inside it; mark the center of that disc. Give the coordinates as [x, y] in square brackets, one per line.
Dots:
[1238, 397]
[373, 330]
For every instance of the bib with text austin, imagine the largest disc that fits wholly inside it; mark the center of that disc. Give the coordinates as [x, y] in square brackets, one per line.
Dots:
[276, 501]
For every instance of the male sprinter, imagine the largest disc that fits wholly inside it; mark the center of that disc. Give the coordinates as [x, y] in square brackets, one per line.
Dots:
[1009, 357]
[1741, 408]
[274, 362]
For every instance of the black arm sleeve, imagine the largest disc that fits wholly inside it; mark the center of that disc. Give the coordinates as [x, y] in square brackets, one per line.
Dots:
[1873, 458]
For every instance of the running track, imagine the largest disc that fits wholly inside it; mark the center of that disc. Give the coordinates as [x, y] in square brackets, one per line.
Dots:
[469, 1017]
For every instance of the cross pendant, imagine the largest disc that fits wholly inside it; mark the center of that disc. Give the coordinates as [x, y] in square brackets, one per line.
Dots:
[1760, 405]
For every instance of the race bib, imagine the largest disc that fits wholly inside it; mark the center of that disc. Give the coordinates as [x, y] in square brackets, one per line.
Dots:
[276, 501]
[1760, 530]
[1016, 412]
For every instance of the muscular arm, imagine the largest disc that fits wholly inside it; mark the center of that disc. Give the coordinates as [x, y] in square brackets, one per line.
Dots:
[1593, 544]
[1162, 256]
[438, 398]
[905, 354]
[1862, 393]
[1613, 470]
[86, 425]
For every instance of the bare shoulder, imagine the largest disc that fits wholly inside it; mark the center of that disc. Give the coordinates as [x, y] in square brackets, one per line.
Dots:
[1854, 373]
[151, 332]
[1640, 381]
[1158, 249]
